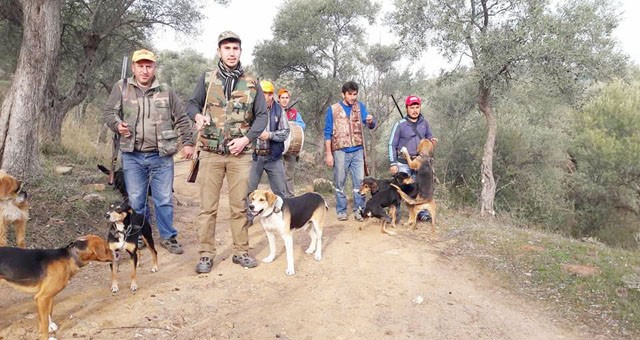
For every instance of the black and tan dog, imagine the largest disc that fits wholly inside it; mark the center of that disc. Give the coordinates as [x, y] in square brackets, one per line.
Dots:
[387, 197]
[424, 181]
[372, 185]
[45, 272]
[118, 180]
[281, 216]
[124, 228]
[14, 209]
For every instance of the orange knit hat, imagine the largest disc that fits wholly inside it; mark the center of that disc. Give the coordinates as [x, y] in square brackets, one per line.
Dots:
[282, 91]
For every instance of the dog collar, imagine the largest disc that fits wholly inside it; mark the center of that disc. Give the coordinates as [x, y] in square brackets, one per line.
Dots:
[74, 255]
[277, 206]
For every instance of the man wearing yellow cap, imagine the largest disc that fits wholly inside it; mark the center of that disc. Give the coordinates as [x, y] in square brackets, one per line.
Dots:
[284, 96]
[270, 146]
[229, 109]
[145, 113]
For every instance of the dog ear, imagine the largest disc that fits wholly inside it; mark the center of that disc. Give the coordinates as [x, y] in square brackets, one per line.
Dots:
[271, 197]
[374, 186]
[4, 186]
[100, 248]
[80, 244]
[8, 185]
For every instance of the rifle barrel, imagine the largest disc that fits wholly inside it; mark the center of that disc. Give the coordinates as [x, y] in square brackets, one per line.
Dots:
[125, 61]
[292, 105]
[397, 107]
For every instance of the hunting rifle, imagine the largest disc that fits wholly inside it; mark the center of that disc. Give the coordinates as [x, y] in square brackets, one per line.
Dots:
[116, 135]
[291, 106]
[397, 107]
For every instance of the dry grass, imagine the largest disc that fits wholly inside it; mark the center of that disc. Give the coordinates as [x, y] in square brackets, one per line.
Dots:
[537, 265]
[586, 282]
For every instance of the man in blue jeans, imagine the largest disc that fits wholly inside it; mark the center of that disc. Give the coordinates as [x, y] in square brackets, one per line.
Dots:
[150, 112]
[344, 143]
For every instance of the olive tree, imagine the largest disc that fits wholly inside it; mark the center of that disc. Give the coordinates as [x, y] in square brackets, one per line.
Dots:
[571, 44]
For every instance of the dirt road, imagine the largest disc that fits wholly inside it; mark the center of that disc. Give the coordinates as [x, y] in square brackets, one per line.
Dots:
[367, 286]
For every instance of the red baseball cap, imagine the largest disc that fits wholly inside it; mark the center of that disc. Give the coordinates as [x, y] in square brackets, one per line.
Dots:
[413, 100]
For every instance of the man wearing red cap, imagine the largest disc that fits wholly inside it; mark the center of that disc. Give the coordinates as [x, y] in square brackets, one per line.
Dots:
[407, 133]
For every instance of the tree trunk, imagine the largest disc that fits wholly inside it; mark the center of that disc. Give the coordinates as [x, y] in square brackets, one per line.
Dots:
[26, 98]
[488, 194]
[58, 105]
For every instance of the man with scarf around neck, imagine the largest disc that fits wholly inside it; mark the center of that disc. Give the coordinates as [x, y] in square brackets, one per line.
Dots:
[407, 133]
[284, 96]
[230, 112]
[145, 112]
[344, 143]
[270, 146]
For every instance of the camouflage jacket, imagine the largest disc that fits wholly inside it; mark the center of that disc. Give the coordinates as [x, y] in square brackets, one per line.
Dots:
[347, 130]
[152, 114]
[245, 114]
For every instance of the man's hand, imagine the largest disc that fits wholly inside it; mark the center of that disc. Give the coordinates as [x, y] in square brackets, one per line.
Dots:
[328, 159]
[264, 135]
[201, 120]
[123, 129]
[369, 120]
[187, 151]
[393, 169]
[236, 145]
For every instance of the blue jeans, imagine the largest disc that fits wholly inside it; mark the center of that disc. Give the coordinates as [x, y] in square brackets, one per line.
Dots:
[406, 169]
[144, 170]
[343, 163]
[275, 173]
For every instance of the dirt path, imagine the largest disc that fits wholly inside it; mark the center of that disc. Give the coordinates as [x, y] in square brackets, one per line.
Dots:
[367, 286]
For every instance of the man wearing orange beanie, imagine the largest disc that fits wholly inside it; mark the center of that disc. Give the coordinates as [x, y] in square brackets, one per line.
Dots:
[284, 97]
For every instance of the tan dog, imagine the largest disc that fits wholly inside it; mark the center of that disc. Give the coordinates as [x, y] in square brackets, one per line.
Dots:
[45, 272]
[14, 209]
[422, 164]
[282, 216]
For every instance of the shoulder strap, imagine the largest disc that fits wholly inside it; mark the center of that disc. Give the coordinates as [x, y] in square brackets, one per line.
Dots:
[415, 129]
[204, 112]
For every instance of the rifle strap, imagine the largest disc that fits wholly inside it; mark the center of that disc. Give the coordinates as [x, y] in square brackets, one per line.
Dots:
[414, 127]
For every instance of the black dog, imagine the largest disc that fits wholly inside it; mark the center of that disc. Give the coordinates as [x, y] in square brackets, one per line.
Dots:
[125, 227]
[387, 198]
[372, 185]
[118, 180]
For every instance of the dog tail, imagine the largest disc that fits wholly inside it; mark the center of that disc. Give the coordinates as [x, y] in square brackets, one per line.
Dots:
[407, 198]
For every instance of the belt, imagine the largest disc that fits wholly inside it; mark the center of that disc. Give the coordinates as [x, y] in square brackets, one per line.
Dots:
[402, 160]
[214, 150]
[263, 152]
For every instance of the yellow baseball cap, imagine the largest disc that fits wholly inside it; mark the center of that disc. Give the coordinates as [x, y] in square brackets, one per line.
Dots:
[266, 86]
[143, 55]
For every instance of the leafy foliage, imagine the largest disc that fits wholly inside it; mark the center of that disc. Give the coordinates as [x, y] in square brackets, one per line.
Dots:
[181, 70]
[570, 46]
[313, 51]
[606, 150]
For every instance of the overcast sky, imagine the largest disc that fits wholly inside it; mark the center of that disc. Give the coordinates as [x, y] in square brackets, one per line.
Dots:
[220, 18]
